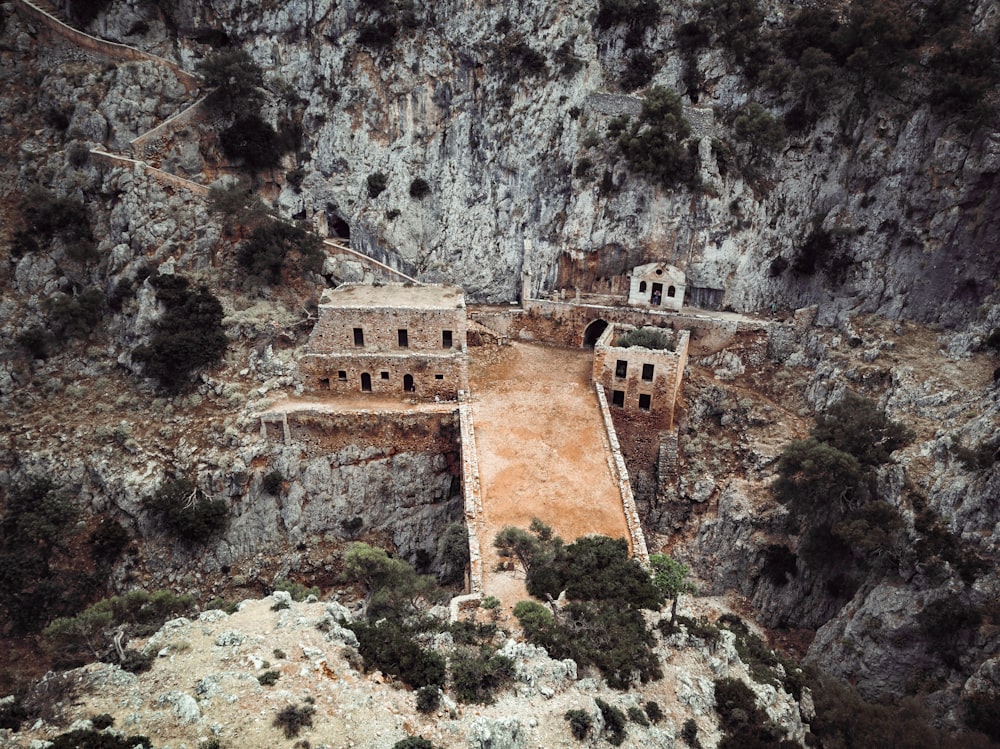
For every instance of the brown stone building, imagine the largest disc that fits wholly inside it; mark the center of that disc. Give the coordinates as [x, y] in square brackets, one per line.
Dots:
[394, 339]
[641, 379]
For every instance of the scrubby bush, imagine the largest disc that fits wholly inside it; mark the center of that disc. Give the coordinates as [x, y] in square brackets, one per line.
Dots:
[653, 712]
[186, 512]
[74, 316]
[293, 718]
[476, 676]
[646, 337]
[428, 699]
[639, 71]
[580, 723]
[376, 184]
[856, 425]
[948, 624]
[378, 34]
[654, 145]
[84, 738]
[413, 742]
[392, 586]
[453, 551]
[277, 245]
[272, 482]
[298, 591]
[615, 725]
[269, 678]
[235, 80]
[254, 142]
[187, 337]
[390, 647]
[50, 217]
[636, 715]
[419, 188]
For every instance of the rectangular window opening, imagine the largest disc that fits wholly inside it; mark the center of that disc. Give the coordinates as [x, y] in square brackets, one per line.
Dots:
[359, 337]
[446, 339]
[647, 372]
[644, 401]
[618, 398]
[324, 382]
[621, 368]
[342, 375]
[439, 377]
[404, 338]
[384, 375]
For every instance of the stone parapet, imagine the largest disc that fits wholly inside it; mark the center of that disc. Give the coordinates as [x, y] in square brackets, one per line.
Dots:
[473, 497]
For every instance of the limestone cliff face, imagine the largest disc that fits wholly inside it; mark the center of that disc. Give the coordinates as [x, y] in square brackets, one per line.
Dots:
[908, 197]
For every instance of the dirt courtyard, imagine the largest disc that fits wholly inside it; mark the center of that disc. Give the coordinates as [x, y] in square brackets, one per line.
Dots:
[541, 444]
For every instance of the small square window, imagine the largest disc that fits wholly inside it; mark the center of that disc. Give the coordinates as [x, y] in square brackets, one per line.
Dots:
[404, 338]
[644, 401]
[384, 375]
[647, 372]
[342, 375]
[621, 368]
[446, 339]
[439, 377]
[359, 337]
[324, 382]
[618, 398]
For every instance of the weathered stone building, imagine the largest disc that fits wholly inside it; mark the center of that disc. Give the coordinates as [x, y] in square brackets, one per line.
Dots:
[395, 339]
[658, 286]
[640, 379]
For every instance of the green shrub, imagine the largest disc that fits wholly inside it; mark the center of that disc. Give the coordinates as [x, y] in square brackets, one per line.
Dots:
[389, 647]
[453, 551]
[615, 729]
[235, 81]
[74, 316]
[377, 35]
[653, 712]
[636, 715]
[689, 734]
[419, 188]
[35, 342]
[654, 145]
[107, 541]
[392, 585]
[102, 721]
[376, 183]
[293, 718]
[979, 458]
[186, 513]
[187, 337]
[298, 591]
[857, 426]
[428, 699]
[413, 742]
[476, 676]
[646, 337]
[254, 142]
[948, 624]
[639, 71]
[269, 678]
[90, 739]
[580, 723]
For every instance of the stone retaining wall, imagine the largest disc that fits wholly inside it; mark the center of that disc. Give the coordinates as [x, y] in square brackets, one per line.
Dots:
[473, 497]
[620, 472]
[102, 46]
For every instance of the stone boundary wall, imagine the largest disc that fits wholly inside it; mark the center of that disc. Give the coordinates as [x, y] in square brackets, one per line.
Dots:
[343, 249]
[102, 46]
[617, 465]
[166, 177]
[473, 497]
[153, 140]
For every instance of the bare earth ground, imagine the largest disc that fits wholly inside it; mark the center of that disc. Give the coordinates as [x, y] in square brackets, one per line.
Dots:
[540, 439]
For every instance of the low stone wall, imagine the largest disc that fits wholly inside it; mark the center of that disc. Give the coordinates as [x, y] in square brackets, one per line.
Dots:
[473, 498]
[153, 141]
[102, 46]
[158, 174]
[620, 472]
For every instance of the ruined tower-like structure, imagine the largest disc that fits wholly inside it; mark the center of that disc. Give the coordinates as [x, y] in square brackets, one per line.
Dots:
[393, 339]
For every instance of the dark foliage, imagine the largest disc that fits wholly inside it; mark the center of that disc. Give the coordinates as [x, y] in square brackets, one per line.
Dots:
[90, 739]
[615, 729]
[981, 712]
[523, 61]
[419, 188]
[376, 184]
[476, 676]
[580, 723]
[653, 712]
[39, 576]
[188, 337]
[654, 145]
[689, 734]
[856, 425]
[779, 564]
[413, 742]
[235, 80]
[12, 715]
[278, 245]
[428, 699]
[271, 483]
[74, 316]
[254, 142]
[453, 552]
[269, 678]
[293, 718]
[378, 34]
[638, 71]
[637, 16]
[35, 342]
[102, 721]
[980, 457]
[186, 513]
[107, 542]
[744, 724]
[390, 647]
[49, 218]
[636, 715]
[949, 624]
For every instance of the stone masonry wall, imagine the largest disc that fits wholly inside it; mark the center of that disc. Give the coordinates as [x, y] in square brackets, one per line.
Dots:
[334, 332]
[433, 376]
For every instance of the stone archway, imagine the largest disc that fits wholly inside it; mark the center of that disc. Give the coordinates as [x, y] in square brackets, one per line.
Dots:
[593, 331]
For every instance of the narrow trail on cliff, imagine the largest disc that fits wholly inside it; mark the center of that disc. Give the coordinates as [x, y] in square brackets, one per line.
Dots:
[542, 452]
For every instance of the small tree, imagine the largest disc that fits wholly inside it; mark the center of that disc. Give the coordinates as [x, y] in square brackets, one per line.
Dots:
[235, 80]
[671, 577]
